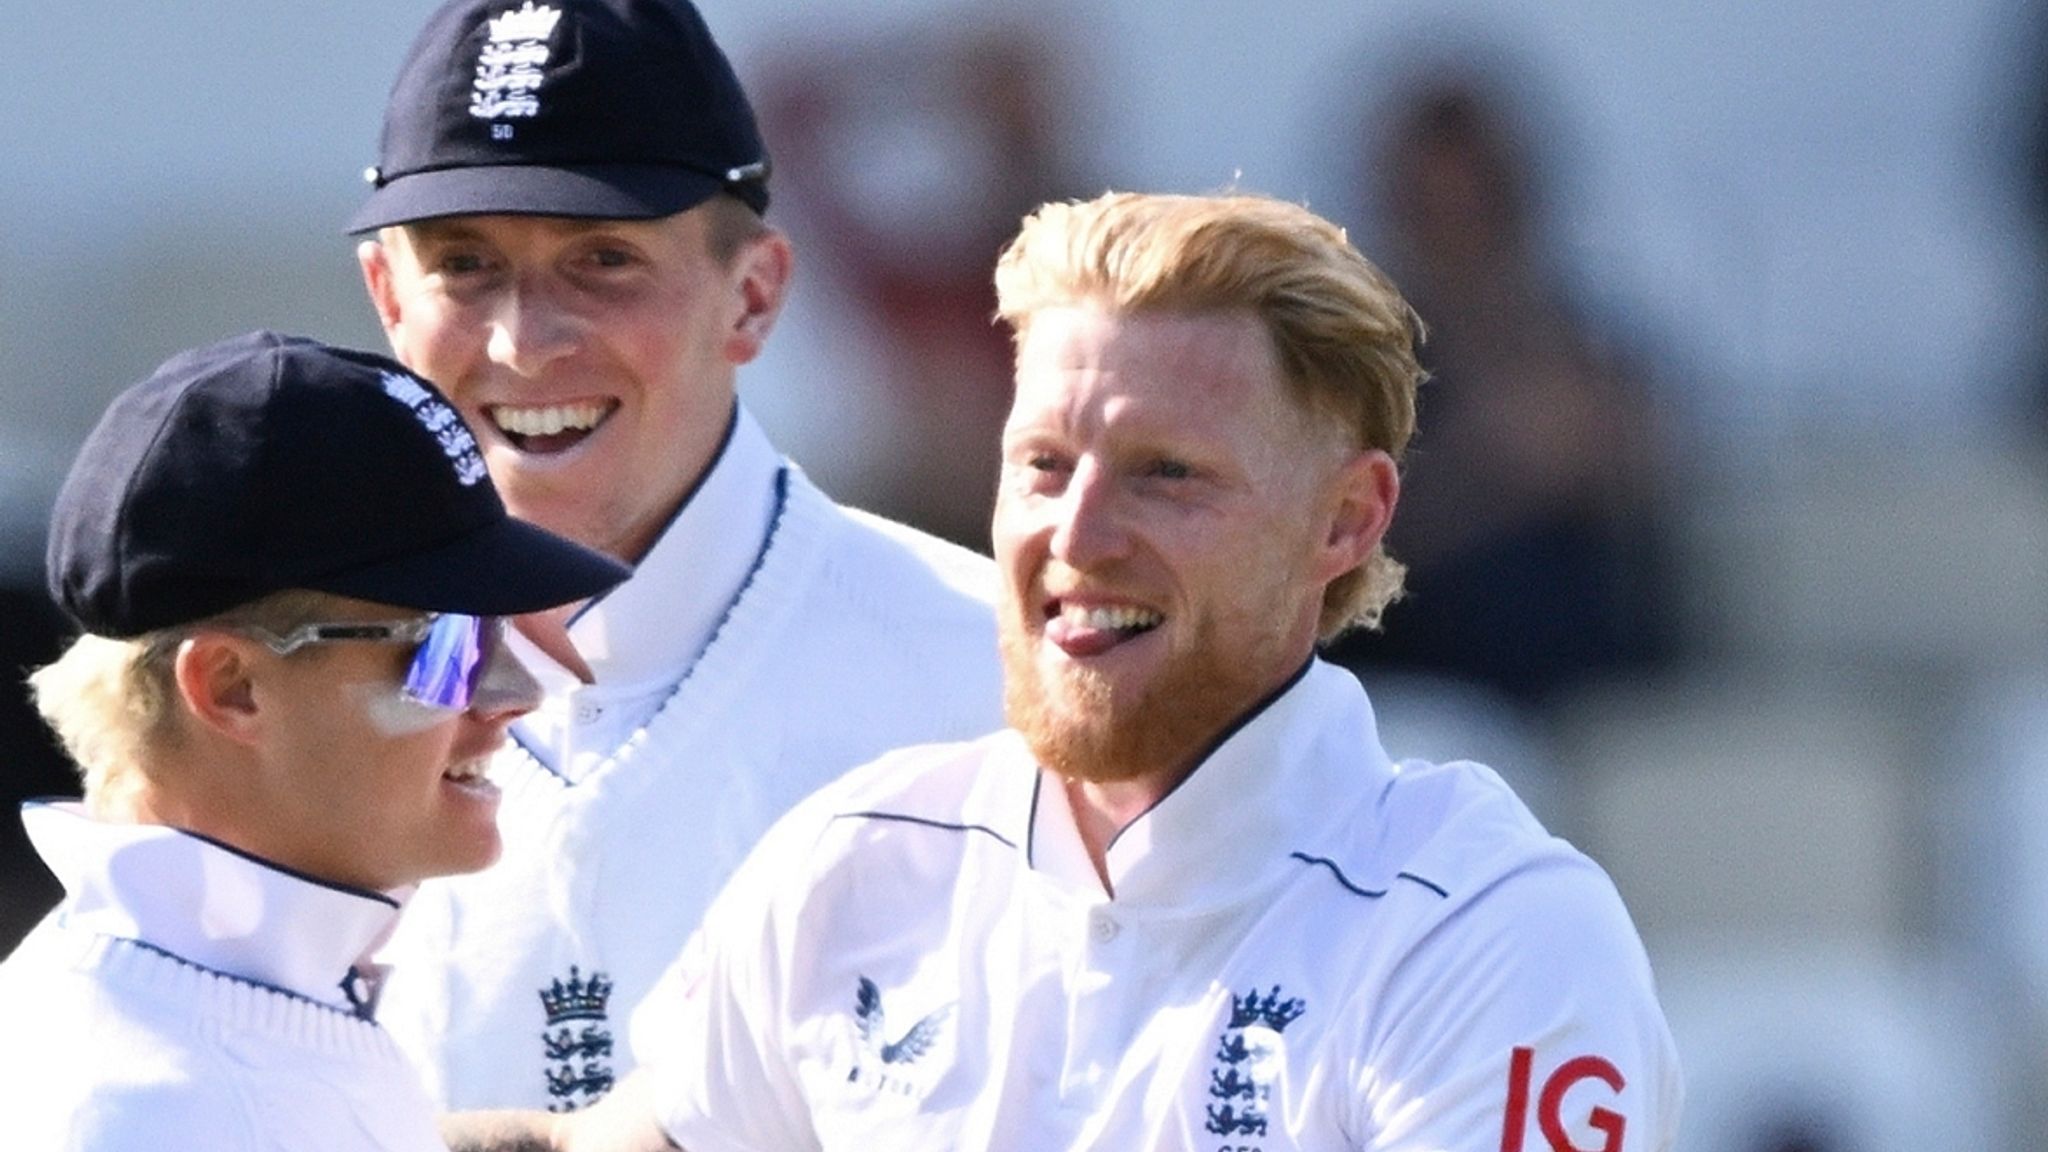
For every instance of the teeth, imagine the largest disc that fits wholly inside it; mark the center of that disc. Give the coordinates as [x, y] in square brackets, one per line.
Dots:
[1121, 619]
[548, 420]
[465, 772]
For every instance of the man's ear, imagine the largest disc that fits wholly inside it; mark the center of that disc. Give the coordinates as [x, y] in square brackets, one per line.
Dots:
[375, 260]
[762, 270]
[214, 673]
[1360, 499]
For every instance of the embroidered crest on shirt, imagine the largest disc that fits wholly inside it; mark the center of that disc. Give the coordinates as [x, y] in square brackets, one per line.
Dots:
[509, 67]
[881, 1056]
[1241, 1083]
[577, 1041]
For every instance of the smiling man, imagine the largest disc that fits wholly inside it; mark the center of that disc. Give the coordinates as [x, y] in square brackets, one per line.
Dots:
[568, 239]
[1185, 900]
[289, 680]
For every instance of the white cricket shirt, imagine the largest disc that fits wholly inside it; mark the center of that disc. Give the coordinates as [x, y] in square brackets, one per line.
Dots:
[184, 995]
[1310, 947]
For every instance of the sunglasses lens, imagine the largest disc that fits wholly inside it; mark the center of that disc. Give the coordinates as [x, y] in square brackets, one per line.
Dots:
[444, 669]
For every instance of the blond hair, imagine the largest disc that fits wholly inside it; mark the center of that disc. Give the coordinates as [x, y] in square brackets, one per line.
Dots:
[111, 701]
[730, 225]
[1344, 336]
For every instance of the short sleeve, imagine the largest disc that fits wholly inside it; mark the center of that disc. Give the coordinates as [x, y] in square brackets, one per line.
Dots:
[1526, 1020]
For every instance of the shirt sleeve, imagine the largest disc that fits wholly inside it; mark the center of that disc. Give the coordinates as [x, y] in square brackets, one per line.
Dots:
[709, 1034]
[1526, 1020]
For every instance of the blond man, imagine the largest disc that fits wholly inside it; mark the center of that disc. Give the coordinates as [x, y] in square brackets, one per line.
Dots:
[1185, 899]
[289, 570]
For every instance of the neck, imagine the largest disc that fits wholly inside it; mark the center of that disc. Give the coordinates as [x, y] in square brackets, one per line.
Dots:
[1102, 809]
[1143, 771]
[130, 805]
[219, 790]
[179, 791]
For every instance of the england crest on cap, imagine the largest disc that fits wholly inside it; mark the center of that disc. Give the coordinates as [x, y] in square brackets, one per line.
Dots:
[511, 66]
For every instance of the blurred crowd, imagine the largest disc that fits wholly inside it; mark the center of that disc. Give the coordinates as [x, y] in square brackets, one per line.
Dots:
[1795, 714]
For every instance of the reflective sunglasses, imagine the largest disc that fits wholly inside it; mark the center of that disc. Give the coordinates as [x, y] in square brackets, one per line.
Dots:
[445, 667]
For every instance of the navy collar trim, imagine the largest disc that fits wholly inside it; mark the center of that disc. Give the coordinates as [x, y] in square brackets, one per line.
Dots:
[330, 885]
[271, 865]
[1031, 818]
[1229, 730]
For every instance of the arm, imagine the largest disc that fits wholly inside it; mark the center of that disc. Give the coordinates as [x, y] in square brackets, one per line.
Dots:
[1526, 1020]
[621, 1122]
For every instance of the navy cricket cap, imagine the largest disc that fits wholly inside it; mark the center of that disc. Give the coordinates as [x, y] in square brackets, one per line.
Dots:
[618, 109]
[266, 463]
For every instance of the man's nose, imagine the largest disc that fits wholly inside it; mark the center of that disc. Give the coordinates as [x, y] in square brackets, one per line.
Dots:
[532, 327]
[1088, 525]
[505, 690]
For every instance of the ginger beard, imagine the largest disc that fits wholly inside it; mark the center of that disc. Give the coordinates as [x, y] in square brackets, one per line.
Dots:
[1080, 724]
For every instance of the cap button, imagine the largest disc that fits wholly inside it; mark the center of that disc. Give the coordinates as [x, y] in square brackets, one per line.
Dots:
[373, 175]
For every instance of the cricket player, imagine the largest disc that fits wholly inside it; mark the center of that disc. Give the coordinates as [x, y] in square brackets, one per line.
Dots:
[566, 236]
[289, 568]
[1185, 899]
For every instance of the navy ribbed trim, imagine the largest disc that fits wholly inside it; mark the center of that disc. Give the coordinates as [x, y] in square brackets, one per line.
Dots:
[287, 993]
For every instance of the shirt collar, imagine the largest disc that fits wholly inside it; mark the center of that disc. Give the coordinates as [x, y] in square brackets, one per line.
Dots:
[650, 629]
[209, 904]
[1304, 761]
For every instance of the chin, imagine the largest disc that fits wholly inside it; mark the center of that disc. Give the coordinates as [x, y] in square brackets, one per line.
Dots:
[473, 853]
[1085, 726]
[479, 857]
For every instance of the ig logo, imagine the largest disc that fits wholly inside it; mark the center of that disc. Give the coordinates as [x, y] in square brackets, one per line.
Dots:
[1550, 1100]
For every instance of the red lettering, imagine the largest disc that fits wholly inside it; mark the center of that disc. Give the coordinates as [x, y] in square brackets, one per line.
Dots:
[1550, 1103]
[1569, 1073]
[1518, 1100]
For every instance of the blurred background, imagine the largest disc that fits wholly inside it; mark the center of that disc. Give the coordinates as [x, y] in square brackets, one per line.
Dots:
[1727, 523]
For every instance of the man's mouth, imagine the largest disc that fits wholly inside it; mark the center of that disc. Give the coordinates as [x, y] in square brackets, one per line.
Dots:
[1122, 618]
[1084, 630]
[470, 774]
[548, 428]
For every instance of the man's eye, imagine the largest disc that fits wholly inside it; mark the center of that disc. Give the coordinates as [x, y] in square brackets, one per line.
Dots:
[1171, 470]
[1045, 462]
[461, 264]
[611, 257]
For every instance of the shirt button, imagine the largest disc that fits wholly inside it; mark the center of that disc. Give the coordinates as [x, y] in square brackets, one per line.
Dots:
[1104, 926]
[588, 713]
